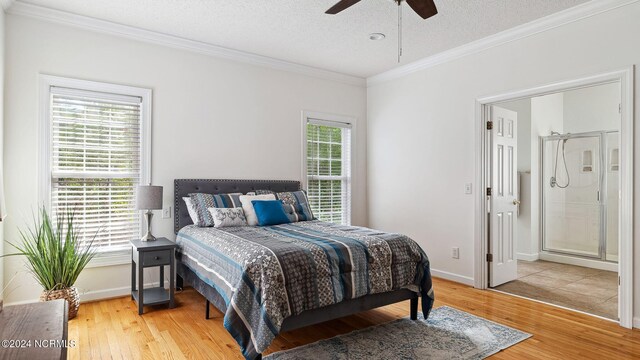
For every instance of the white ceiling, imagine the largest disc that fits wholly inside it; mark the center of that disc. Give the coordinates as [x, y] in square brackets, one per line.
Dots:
[298, 30]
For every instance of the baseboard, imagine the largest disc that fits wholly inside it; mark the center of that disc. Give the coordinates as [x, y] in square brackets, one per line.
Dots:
[452, 277]
[528, 257]
[94, 295]
[21, 302]
[571, 260]
[109, 293]
[636, 322]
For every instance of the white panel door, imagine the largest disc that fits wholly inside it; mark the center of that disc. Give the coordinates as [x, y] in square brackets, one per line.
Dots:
[504, 197]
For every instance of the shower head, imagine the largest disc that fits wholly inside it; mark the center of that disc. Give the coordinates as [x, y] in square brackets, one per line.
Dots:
[564, 137]
[554, 179]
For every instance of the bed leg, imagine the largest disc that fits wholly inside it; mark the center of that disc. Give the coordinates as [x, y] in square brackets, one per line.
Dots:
[179, 282]
[206, 313]
[414, 308]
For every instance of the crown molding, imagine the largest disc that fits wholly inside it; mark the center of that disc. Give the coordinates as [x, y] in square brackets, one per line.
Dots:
[133, 33]
[552, 21]
[6, 4]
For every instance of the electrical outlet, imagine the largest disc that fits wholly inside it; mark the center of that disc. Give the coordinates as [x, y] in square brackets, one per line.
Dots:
[467, 188]
[455, 253]
[166, 213]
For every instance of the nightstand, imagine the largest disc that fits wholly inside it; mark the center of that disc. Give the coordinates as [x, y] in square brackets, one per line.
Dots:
[144, 254]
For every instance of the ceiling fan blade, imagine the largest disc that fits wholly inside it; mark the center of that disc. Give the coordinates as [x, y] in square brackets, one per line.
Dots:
[424, 8]
[341, 5]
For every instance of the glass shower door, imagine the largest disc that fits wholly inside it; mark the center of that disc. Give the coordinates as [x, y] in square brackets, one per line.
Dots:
[571, 183]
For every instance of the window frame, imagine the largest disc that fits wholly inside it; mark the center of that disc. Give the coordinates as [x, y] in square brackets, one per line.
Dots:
[106, 257]
[339, 120]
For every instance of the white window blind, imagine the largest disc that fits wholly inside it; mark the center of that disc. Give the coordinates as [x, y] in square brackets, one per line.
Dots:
[96, 163]
[329, 170]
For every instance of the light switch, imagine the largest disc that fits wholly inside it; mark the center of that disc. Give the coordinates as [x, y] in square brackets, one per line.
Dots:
[467, 188]
[166, 213]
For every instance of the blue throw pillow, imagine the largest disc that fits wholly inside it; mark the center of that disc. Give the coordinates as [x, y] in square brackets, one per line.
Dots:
[270, 212]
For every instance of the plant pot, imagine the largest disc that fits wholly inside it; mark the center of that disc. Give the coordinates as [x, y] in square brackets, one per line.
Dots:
[70, 294]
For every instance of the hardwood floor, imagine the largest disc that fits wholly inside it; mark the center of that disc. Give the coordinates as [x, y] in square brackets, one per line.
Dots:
[112, 328]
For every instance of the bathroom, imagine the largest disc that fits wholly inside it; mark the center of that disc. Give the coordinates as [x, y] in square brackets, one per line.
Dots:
[568, 189]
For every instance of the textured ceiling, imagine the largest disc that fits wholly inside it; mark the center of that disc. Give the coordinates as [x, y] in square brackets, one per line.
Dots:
[298, 30]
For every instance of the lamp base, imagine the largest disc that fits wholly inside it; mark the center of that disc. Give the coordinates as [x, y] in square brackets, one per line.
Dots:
[148, 237]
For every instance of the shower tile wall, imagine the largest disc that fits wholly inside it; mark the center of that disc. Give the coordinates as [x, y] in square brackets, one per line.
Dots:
[572, 214]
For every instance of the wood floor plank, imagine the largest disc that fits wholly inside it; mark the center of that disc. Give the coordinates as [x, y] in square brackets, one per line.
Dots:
[112, 329]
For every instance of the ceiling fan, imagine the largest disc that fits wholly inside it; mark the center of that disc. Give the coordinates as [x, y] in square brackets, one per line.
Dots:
[424, 8]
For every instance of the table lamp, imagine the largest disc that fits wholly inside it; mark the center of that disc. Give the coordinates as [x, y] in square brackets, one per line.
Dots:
[149, 197]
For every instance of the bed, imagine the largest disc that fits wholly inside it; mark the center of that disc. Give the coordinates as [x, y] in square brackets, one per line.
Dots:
[272, 279]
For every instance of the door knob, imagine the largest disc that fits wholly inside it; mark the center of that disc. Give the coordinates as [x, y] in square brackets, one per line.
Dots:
[516, 202]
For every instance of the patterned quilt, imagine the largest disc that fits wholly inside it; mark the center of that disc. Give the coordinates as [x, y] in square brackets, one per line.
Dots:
[266, 274]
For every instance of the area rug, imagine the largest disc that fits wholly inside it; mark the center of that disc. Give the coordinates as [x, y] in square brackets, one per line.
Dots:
[447, 334]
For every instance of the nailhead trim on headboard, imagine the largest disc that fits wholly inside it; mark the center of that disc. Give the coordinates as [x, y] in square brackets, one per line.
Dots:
[182, 187]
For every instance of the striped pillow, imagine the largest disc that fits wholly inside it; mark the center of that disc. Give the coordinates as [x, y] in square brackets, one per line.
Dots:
[296, 205]
[202, 202]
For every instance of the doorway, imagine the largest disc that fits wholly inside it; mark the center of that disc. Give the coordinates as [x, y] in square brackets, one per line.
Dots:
[555, 221]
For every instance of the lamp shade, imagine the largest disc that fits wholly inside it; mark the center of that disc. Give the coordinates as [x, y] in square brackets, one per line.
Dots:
[149, 197]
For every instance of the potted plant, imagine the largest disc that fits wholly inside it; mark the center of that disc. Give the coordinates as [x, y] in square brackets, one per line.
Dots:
[55, 256]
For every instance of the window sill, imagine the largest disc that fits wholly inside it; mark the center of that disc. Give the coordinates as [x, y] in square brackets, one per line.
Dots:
[110, 258]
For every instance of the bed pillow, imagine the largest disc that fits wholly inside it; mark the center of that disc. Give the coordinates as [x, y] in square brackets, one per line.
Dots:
[247, 206]
[190, 209]
[202, 202]
[227, 217]
[270, 212]
[300, 204]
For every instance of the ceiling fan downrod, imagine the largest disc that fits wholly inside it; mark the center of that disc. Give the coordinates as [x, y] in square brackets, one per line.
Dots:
[424, 8]
[399, 29]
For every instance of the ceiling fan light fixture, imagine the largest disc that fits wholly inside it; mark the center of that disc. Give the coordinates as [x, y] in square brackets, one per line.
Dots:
[377, 36]
[424, 8]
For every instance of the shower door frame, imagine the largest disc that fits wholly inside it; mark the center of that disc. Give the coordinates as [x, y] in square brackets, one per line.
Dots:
[625, 77]
[603, 200]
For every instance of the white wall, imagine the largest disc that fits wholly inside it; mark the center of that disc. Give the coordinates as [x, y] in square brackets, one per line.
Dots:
[212, 118]
[422, 128]
[593, 108]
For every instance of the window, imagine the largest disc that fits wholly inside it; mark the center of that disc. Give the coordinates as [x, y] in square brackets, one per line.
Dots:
[96, 146]
[328, 169]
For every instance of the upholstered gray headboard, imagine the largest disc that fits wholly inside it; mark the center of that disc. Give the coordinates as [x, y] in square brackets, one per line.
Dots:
[183, 187]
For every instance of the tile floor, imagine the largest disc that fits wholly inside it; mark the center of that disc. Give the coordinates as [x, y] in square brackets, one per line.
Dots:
[575, 287]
